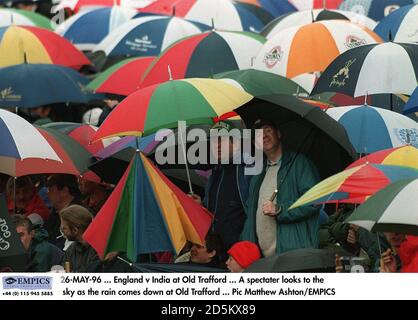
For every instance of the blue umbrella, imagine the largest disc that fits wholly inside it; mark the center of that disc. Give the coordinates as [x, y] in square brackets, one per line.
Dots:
[400, 25]
[375, 9]
[412, 104]
[33, 85]
[277, 8]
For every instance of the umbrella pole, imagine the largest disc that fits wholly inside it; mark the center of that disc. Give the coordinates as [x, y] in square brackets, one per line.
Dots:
[183, 147]
[14, 195]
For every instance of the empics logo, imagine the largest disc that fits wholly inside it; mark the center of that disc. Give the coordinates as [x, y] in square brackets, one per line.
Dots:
[27, 283]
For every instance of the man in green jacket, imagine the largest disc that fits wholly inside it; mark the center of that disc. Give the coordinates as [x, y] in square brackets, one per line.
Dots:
[285, 177]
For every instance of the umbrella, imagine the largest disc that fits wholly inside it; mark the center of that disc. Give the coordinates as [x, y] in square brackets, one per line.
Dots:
[309, 16]
[33, 85]
[412, 104]
[406, 156]
[275, 8]
[36, 45]
[299, 260]
[83, 134]
[76, 5]
[204, 55]
[130, 70]
[195, 100]
[305, 129]
[222, 14]
[143, 37]
[146, 213]
[315, 4]
[375, 9]
[392, 209]
[400, 25]
[257, 82]
[87, 28]
[285, 53]
[354, 72]
[13, 256]
[354, 185]
[371, 129]
[23, 18]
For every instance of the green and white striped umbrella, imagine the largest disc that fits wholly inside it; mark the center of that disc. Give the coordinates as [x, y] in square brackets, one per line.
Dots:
[392, 209]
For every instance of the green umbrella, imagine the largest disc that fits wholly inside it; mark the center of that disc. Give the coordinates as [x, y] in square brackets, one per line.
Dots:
[23, 18]
[392, 209]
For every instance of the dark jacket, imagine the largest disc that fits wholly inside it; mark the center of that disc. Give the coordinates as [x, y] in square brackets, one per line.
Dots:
[81, 257]
[297, 228]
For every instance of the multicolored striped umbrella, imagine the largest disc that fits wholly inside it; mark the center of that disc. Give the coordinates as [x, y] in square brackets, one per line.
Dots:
[406, 156]
[372, 69]
[392, 209]
[147, 213]
[10, 17]
[400, 25]
[375, 9]
[315, 4]
[130, 70]
[76, 5]
[354, 185]
[36, 45]
[274, 7]
[195, 100]
[146, 36]
[286, 53]
[222, 14]
[204, 55]
[87, 28]
[372, 129]
[309, 16]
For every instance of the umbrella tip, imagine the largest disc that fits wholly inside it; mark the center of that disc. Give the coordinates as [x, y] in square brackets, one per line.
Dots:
[390, 35]
[213, 23]
[170, 75]
[312, 15]
[25, 60]
[174, 11]
[365, 98]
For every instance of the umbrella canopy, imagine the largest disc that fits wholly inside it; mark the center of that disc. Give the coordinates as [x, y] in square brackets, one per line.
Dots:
[275, 8]
[285, 53]
[146, 213]
[204, 55]
[258, 82]
[22, 18]
[412, 104]
[13, 256]
[315, 4]
[146, 36]
[304, 129]
[33, 85]
[309, 16]
[400, 25]
[354, 72]
[195, 100]
[76, 5]
[375, 9]
[87, 28]
[371, 129]
[354, 185]
[406, 156]
[130, 70]
[222, 14]
[392, 209]
[36, 45]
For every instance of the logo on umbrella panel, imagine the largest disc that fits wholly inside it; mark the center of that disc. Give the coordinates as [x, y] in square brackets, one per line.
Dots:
[273, 56]
[407, 136]
[353, 42]
[4, 235]
[140, 44]
[7, 95]
[339, 78]
[389, 9]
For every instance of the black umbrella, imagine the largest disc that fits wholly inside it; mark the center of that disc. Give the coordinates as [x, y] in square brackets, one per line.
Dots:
[13, 256]
[305, 129]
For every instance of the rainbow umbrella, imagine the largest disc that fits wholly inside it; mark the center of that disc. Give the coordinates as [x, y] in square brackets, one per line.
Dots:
[285, 54]
[147, 213]
[22, 18]
[36, 45]
[204, 55]
[406, 156]
[130, 70]
[195, 100]
[354, 185]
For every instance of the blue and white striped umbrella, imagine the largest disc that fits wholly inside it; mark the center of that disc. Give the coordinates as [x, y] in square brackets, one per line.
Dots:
[371, 129]
[375, 9]
[147, 36]
[400, 26]
[87, 28]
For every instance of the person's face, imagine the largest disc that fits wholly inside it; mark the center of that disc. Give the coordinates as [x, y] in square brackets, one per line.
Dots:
[86, 187]
[395, 239]
[25, 236]
[69, 233]
[270, 138]
[111, 103]
[233, 266]
[199, 254]
[23, 196]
